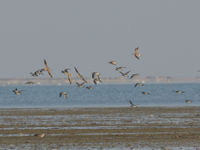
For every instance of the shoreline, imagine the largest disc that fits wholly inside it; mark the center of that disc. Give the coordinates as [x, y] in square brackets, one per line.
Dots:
[64, 81]
[96, 128]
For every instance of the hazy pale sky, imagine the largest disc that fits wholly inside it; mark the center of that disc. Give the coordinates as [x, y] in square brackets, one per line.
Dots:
[90, 33]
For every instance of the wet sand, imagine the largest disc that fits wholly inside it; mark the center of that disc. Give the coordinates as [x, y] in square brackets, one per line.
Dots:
[98, 128]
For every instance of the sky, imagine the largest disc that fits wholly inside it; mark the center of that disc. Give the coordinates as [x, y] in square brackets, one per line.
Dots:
[90, 33]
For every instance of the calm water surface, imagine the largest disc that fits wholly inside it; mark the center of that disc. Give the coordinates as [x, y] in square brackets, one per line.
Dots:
[100, 96]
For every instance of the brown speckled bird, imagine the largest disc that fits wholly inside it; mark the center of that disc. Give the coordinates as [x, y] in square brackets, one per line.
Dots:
[136, 53]
[112, 62]
[69, 75]
[64, 94]
[79, 75]
[40, 135]
[47, 68]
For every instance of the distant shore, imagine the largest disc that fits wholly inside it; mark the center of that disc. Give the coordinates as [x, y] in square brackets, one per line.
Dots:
[64, 81]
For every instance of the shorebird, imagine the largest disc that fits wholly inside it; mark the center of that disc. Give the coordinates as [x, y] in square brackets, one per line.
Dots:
[139, 84]
[188, 101]
[89, 87]
[47, 68]
[134, 75]
[96, 75]
[96, 81]
[64, 94]
[112, 62]
[145, 93]
[136, 53]
[79, 75]
[37, 73]
[124, 74]
[119, 68]
[69, 75]
[131, 103]
[40, 135]
[179, 92]
[17, 92]
[34, 74]
[80, 84]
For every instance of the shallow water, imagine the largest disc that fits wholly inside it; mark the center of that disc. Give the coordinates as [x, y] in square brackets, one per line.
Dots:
[105, 95]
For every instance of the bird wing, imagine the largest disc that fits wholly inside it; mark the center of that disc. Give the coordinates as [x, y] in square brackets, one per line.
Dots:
[98, 77]
[126, 73]
[60, 94]
[121, 73]
[47, 68]
[133, 75]
[136, 53]
[79, 75]
[69, 75]
[93, 75]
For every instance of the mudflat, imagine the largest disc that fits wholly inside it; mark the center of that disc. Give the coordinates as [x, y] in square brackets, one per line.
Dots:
[100, 128]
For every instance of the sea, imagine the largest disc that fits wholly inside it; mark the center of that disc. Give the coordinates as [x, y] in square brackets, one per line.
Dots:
[102, 95]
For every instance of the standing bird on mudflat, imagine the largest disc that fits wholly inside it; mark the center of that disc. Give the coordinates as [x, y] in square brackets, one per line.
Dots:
[41, 135]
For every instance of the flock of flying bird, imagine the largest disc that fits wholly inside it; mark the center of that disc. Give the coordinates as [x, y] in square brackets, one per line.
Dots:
[95, 76]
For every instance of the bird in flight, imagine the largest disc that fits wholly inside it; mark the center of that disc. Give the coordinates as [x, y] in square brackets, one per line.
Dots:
[80, 84]
[119, 68]
[188, 101]
[145, 93]
[131, 103]
[96, 75]
[47, 68]
[112, 62]
[136, 53]
[64, 94]
[79, 75]
[69, 75]
[134, 75]
[179, 92]
[96, 81]
[124, 74]
[17, 92]
[139, 84]
[37, 73]
[89, 87]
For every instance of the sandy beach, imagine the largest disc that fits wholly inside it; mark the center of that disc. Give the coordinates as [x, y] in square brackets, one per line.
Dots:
[100, 128]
